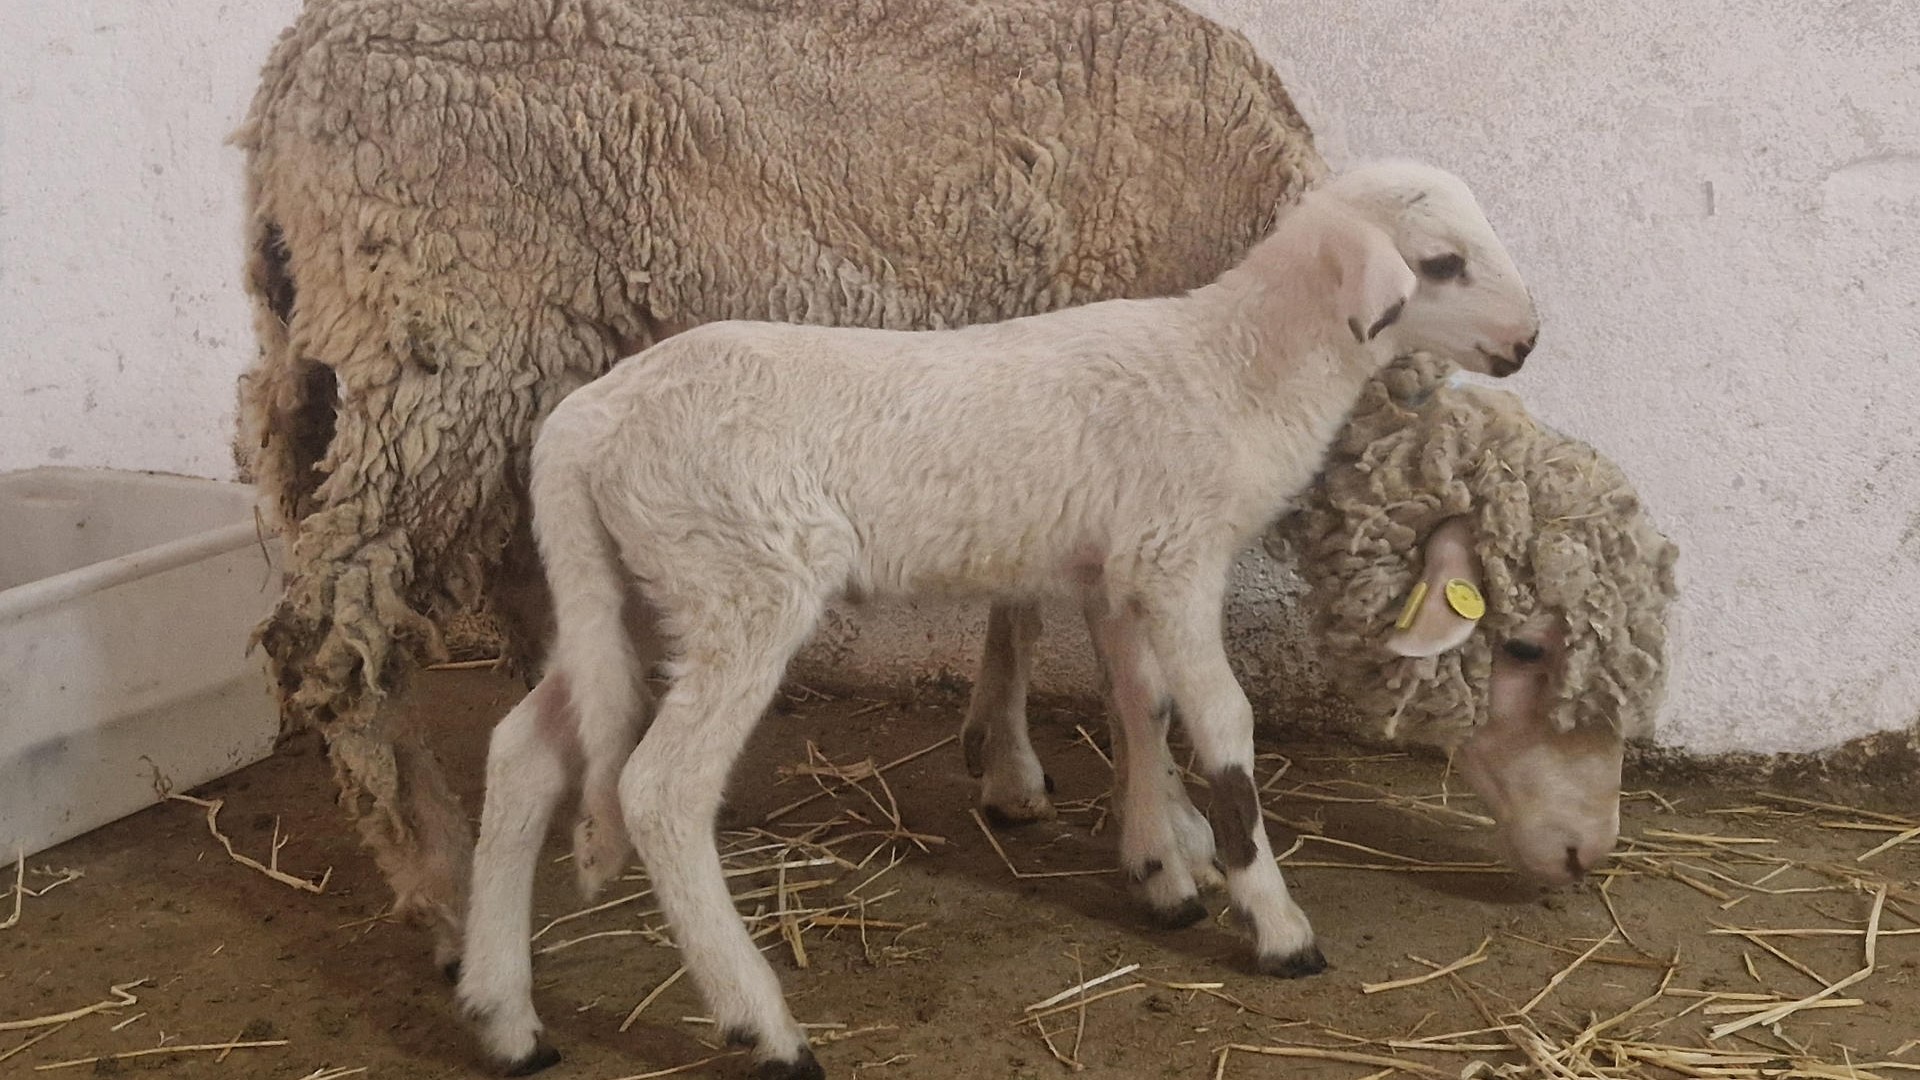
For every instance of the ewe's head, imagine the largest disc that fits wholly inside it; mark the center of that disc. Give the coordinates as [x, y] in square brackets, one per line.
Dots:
[1554, 792]
[1431, 483]
[1423, 270]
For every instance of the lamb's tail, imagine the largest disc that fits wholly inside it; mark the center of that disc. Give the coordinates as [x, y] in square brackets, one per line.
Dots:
[594, 651]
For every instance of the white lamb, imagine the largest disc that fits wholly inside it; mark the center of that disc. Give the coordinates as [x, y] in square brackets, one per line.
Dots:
[724, 485]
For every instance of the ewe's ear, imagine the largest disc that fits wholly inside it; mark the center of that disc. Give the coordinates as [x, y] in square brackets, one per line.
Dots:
[1447, 600]
[1370, 279]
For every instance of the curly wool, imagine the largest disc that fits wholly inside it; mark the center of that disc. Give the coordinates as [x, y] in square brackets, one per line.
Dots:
[461, 211]
[1557, 527]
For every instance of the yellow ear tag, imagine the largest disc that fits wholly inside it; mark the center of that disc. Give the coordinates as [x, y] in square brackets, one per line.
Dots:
[1413, 606]
[1465, 600]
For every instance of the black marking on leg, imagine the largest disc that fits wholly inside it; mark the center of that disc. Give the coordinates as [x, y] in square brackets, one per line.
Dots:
[804, 1067]
[739, 1036]
[1163, 714]
[450, 971]
[1046, 781]
[1181, 915]
[1307, 961]
[542, 1057]
[973, 749]
[1234, 814]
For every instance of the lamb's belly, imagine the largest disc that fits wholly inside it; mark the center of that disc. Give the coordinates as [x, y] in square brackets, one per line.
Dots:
[961, 570]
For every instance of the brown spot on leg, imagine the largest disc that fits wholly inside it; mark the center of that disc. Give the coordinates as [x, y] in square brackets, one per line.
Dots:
[1234, 813]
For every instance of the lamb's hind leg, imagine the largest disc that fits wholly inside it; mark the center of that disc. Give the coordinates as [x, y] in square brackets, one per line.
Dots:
[1166, 847]
[528, 771]
[1184, 629]
[1013, 786]
[730, 665]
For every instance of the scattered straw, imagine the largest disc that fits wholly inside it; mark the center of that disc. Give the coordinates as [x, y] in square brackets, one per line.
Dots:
[272, 867]
[120, 1000]
[1775, 1015]
[688, 1067]
[1082, 987]
[826, 791]
[1318, 1053]
[1561, 975]
[195, 1048]
[1025, 875]
[1477, 956]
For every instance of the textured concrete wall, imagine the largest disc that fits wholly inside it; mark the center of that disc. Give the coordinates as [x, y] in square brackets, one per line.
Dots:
[122, 325]
[1717, 205]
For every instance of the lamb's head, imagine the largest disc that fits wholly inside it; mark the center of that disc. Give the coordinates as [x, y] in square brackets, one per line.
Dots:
[1554, 792]
[1451, 289]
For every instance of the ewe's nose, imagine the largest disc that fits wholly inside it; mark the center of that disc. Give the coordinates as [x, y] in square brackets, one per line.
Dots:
[1580, 861]
[1507, 365]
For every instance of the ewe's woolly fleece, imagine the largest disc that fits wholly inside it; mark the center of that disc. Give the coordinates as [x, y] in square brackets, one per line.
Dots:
[1557, 528]
[463, 209]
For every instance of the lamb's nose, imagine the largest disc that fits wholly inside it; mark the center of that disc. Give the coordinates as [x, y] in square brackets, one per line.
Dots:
[1521, 350]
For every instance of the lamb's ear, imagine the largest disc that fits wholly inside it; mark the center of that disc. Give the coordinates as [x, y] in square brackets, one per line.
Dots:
[1447, 599]
[1371, 280]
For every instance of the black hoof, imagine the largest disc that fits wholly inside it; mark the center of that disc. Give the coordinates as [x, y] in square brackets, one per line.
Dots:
[1046, 781]
[1181, 915]
[741, 1037]
[450, 971]
[543, 1056]
[804, 1067]
[1307, 961]
[999, 818]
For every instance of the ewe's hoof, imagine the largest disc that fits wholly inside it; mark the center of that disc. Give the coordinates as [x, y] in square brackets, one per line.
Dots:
[1012, 817]
[543, 1056]
[1307, 961]
[804, 1067]
[1180, 916]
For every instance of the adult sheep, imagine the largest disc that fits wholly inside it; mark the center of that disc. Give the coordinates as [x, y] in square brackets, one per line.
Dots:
[460, 211]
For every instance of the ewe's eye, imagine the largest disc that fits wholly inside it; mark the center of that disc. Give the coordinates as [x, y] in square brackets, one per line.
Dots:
[1443, 267]
[1523, 651]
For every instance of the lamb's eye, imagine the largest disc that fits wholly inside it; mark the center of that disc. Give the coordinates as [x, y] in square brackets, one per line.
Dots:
[1523, 651]
[1443, 267]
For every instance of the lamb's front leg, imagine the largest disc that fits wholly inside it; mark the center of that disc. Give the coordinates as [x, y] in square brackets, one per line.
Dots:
[1013, 786]
[1166, 846]
[1185, 633]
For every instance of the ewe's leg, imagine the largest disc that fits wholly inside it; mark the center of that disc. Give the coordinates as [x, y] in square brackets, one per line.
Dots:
[1186, 637]
[412, 822]
[1166, 847]
[671, 791]
[527, 775]
[1013, 787]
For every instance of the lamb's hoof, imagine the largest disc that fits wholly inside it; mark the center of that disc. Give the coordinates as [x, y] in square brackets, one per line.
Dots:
[450, 971]
[1299, 965]
[1005, 817]
[1180, 916]
[542, 1056]
[804, 1067]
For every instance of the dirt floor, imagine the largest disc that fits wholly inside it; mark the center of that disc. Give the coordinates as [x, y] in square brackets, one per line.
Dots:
[954, 947]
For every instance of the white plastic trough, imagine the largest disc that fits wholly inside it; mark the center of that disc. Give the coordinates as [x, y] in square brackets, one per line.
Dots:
[125, 604]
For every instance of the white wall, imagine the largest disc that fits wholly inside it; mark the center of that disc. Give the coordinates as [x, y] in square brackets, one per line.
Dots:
[122, 324]
[1718, 206]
